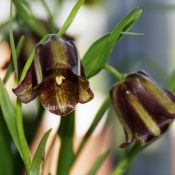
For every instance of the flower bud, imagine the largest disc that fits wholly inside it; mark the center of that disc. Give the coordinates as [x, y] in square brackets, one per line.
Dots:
[56, 76]
[144, 109]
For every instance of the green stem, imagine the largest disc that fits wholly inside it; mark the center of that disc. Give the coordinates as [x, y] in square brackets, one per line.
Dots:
[114, 71]
[98, 117]
[62, 30]
[12, 44]
[10, 68]
[70, 18]
[22, 140]
[127, 159]
[66, 154]
[30, 59]
[19, 123]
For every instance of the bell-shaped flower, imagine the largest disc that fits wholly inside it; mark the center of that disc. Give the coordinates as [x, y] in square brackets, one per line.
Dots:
[145, 110]
[56, 76]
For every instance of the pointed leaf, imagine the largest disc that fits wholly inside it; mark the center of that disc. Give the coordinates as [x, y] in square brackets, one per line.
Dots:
[98, 163]
[35, 25]
[21, 136]
[99, 52]
[171, 82]
[132, 34]
[37, 160]
[9, 114]
[10, 68]
[127, 159]
[71, 17]
[12, 43]
[6, 157]
[30, 59]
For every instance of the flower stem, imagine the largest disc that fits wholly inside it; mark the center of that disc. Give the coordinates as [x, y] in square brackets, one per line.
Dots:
[66, 153]
[12, 44]
[71, 17]
[114, 71]
[22, 140]
[127, 159]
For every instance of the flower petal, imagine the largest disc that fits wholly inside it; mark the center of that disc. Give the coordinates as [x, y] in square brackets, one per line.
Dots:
[54, 54]
[59, 93]
[145, 110]
[25, 90]
[85, 93]
[56, 76]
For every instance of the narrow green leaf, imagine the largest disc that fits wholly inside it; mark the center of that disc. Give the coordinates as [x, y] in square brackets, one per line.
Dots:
[9, 114]
[131, 22]
[99, 52]
[37, 160]
[21, 136]
[60, 33]
[12, 43]
[4, 26]
[70, 18]
[51, 24]
[127, 159]
[10, 68]
[32, 22]
[7, 156]
[98, 163]
[171, 82]
[66, 154]
[30, 59]
[97, 119]
[132, 33]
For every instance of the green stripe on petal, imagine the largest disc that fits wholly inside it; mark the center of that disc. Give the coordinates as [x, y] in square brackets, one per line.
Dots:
[58, 50]
[143, 114]
[85, 93]
[160, 96]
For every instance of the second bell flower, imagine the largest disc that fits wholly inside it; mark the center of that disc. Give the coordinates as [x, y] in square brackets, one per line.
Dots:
[144, 109]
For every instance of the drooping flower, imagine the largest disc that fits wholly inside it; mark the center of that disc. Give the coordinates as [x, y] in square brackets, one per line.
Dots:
[56, 76]
[145, 110]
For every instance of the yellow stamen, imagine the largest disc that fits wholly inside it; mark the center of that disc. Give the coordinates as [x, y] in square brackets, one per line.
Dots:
[59, 79]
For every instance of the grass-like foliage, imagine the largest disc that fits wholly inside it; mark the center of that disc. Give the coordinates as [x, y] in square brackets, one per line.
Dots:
[15, 130]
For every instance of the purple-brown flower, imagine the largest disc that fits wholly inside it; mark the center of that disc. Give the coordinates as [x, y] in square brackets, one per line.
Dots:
[56, 76]
[145, 110]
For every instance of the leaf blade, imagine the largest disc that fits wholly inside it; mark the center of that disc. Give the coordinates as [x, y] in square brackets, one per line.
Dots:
[31, 21]
[21, 136]
[12, 43]
[35, 167]
[98, 53]
[6, 157]
[71, 17]
[98, 163]
[30, 59]
[10, 68]
[9, 114]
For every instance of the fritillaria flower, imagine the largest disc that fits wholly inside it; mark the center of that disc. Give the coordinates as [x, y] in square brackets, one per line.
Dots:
[56, 76]
[144, 109]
